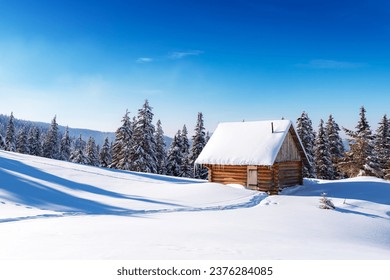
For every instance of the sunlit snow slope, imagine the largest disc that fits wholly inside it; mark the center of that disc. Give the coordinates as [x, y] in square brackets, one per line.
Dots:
[57, 210]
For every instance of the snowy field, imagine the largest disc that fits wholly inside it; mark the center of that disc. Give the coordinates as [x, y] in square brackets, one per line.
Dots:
[57, 210]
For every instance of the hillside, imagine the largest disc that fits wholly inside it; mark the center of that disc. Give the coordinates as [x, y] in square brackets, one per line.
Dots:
[94, 213]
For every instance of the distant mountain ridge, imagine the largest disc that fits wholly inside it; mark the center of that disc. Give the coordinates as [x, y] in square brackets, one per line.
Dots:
[99, 136]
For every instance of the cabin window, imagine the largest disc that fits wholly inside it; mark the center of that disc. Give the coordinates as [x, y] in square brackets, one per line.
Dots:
[252, 177]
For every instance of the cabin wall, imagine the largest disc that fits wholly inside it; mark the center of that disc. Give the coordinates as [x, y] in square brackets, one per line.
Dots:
[269, 178]
[289, 150]
[265, 178]
[288, 174]
[228, 174]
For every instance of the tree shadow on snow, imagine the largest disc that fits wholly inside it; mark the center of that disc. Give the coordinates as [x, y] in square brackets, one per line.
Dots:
[20, 189]
[375, 191]
[163, 178]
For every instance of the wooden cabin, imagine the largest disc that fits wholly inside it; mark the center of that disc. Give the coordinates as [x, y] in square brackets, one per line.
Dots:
[262, 155]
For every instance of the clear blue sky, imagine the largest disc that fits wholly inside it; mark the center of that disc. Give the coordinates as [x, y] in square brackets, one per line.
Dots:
[88, 61]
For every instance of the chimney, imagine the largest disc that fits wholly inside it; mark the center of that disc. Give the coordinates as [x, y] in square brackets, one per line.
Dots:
[272, 127]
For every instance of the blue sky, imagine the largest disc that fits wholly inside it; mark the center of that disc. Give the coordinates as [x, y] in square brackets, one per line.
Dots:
[89, 61]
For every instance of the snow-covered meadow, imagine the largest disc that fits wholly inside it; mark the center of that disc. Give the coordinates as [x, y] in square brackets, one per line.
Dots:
[58, 210]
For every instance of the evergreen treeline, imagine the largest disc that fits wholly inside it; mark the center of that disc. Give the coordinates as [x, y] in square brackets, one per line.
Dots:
[368, 154]
[138, 146]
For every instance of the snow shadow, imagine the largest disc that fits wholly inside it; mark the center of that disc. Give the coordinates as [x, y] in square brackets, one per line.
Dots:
[32, 193]
[163, 178]
[349, 211]
[372, 191]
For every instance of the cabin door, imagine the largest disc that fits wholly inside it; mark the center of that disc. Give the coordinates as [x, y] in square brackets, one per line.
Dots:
[252, 177]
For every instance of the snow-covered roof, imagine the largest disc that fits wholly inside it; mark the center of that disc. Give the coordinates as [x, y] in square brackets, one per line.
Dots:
[245, 143]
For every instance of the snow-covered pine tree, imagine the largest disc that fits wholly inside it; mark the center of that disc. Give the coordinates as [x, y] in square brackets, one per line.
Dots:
[2, 142]
[10, 136]
[34, 141]
[122, 144]
[105, 154]
[186, 169]
[143, 151]
[382, 144]
[207, 136]
[65, 146]
[161, 153]
[336, 147]
[21, 142]
[51, 147]
[174, 157]
[91, 152]
[322, 157]
[307, 136]
[360, 160]
[77, 155]
[198, 143]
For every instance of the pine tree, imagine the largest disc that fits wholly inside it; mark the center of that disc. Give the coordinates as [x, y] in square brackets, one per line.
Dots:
[322, 157]
[382, 144]
[161, 154]
[34, 141]
[307, 136]
[198, 143]
[78, 155]
[174, 158]
[2, 142]
[360, 160]
[21, 144]
[143, 152]
[65, 146]
[336, 147]
[10, 137]
[185, 168]
[91, 152]
[105, 154]
[122, 144]
[51, 147]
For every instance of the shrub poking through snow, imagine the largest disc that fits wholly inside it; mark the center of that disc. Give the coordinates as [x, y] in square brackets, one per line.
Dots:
[326, 203]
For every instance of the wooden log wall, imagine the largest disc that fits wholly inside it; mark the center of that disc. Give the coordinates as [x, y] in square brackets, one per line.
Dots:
[269, 178]
[265, 178]
[288, 173]
[228, 174]
[288, 151]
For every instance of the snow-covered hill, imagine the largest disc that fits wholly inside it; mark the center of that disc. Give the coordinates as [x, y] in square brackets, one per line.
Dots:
[57, 210]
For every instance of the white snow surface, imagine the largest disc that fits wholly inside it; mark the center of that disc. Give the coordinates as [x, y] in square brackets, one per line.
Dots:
[57, 210]
[245, 143]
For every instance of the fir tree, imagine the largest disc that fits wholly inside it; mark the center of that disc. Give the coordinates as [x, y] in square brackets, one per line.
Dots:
[207, 136]
[336, 147]
[91, 152]
[185, 168]
[10, 137]
[307, 136]
[161, 154]
[174, 157]
[122, 145]
[34, 141]
[322, 157]
[65, 146]
[51, 145]
[2, 142]
[382, 143]
[143, 152]
[198, 143]
[105, 154]
[21, 144]
[78, 155]
[360, 160]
